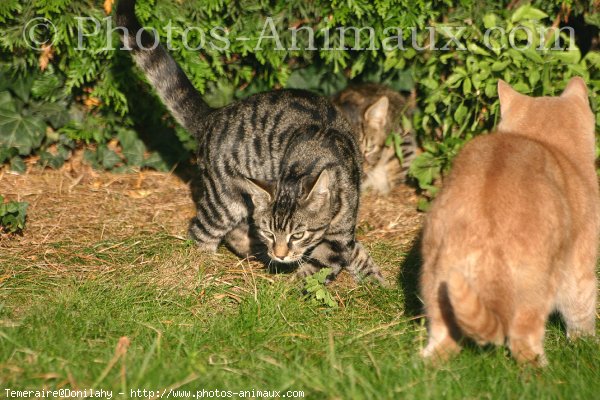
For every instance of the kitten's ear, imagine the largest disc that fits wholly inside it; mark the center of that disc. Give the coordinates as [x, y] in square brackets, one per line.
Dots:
[319, 193]
[576, 87]
[507, 96]
[376, 114]
[261, 192]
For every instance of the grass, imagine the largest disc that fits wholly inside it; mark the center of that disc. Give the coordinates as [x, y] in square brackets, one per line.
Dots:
[227, 325]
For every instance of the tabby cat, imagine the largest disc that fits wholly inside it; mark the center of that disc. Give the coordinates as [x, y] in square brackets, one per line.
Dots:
[278, 171]
[375, 111]
[513, 235]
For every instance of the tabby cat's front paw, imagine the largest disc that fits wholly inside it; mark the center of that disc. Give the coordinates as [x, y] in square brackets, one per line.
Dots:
[305, 270]
[207, 246]
[374, 276]
[363, 268]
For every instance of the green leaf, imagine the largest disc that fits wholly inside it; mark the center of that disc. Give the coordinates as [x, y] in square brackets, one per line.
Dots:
[6, 153]
[48, 159]
[6, 101]
[460, 113]
[425, 168]
[12, 215]
[566, 56]
[320, 294]
[533, 55]
[467, 86]
[430, 83]
[528, 12]
[521, 87]
[24, 133]
[500, 65]
[55, 113]
[534, 77]
[108, 158]
[22, 87]
[18, 165]
[491, 90]
[454, 78]
[490, 21]
[423, 205]
[133, 147]
[476, 49]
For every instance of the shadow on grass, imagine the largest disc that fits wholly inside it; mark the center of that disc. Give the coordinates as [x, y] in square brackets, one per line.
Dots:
[408, 279]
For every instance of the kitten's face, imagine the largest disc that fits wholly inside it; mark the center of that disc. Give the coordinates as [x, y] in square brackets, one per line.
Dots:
[371, 142]
[294, 221]
[370, 123]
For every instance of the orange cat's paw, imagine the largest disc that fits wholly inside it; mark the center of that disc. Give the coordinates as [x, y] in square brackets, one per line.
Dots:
[439, 352]
[574, 334]
[531, 358]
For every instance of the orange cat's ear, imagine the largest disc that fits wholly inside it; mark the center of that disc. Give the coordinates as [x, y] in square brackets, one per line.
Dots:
[507, 95]
[576, 87]
[376, 114]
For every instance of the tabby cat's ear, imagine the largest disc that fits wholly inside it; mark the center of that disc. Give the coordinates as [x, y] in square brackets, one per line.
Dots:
[507, 96]
[318, 196]
[261, 192]
[576, 87]
[376, 114]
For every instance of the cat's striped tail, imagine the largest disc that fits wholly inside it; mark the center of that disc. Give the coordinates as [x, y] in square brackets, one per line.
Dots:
[472, 316]
[173, 86]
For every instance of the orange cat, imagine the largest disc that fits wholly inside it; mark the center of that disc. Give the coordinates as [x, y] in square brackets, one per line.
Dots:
[513, 235]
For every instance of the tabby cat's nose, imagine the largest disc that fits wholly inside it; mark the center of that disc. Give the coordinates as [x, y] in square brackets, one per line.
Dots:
[281, 250]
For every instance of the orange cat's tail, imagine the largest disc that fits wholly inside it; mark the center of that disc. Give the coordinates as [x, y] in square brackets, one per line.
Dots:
[473, 317]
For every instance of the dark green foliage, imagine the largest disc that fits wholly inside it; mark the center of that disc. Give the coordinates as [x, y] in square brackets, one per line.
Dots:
[93, 94]
[12, 215]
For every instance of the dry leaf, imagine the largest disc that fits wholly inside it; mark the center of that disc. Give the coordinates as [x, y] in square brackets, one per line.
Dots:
[91, 102]
[122, 346]
[138, 194]
[108, 6]
[46, 55]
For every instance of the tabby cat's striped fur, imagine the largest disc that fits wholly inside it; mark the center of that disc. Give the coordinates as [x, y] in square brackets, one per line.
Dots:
[375, 111]
[280, 171]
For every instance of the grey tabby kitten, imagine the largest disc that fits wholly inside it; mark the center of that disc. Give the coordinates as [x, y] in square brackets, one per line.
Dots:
[279, 171]
[375, 111]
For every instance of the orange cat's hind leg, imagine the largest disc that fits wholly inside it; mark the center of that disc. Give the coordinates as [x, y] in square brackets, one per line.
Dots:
[443, 333]
[526, 334]
[576, 301]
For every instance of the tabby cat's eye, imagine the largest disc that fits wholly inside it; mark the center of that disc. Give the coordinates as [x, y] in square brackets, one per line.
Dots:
[297, 236]
[269, 235]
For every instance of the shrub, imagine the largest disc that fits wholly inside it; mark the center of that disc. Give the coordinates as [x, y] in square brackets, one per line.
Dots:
[83, 93]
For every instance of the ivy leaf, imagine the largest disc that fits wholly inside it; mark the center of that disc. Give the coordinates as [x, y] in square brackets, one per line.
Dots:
[6, 101]
[6, 153]
[133, 147]
[18, 165]
[108, 158]
[24, 133]
[55, 113]
[22, 87]
[48, 159]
